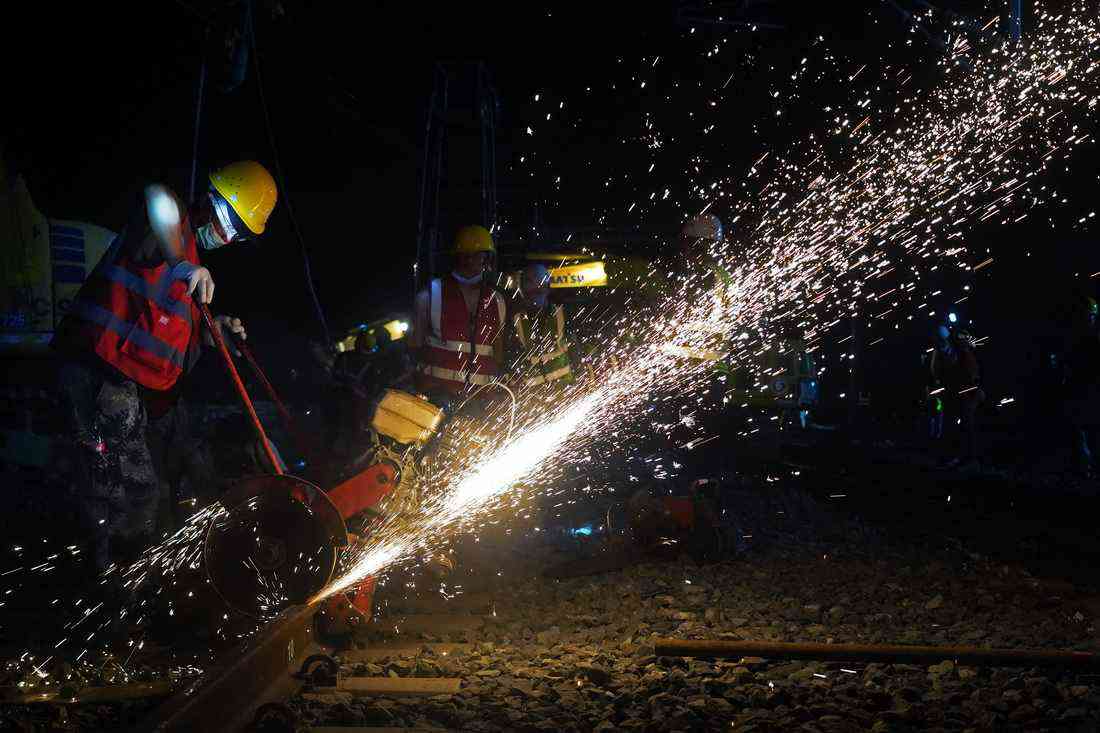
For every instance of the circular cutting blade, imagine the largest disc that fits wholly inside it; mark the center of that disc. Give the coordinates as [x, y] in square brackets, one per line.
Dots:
[275, 546]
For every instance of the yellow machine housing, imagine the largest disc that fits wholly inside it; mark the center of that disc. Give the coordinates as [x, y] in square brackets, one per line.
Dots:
[406, 418]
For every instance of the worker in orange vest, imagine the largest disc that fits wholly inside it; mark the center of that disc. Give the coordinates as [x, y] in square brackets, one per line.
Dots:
[456, 334]
[133, 331]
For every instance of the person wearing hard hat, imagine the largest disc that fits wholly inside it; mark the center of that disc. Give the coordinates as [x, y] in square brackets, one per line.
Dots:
[795, 387]
[954, 364]
[456, 333]
[686, 257]
[933, 362]
[133, 331]
[699, 341]
[540, 333]
[970, 397]
[702, 230]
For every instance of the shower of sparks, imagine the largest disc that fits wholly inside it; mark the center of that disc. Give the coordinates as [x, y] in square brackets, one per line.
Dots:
[141, 582]
[486, 481]
[834, 236]
[865, 223]
[182, 549]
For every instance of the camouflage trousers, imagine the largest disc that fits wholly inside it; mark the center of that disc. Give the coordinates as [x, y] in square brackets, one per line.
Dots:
[117, 488]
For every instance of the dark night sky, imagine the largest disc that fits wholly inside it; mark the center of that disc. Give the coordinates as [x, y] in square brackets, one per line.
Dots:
[109, 103]
[347, 92]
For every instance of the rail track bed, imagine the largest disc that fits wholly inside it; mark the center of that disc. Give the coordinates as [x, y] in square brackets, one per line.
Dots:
[576, 652]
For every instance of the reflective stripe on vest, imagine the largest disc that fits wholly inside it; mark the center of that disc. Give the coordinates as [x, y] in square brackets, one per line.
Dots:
[560, 354]
[157, 292]
[446, 358]
[451, 375]
[559, 323]
[707, 326]
[463, 347]
[137, 318]
[126, 331]
[549, 357]
[435, 299]
[552, 376]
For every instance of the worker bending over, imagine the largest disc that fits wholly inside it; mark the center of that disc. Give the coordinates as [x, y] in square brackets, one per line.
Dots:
[131, 334]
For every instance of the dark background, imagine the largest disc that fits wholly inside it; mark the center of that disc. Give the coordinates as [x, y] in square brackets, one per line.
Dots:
[103, 100]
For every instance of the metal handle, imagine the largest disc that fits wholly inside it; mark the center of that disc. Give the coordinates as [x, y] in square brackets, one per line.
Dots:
[216, 334]
[305, 444]
[242, 346]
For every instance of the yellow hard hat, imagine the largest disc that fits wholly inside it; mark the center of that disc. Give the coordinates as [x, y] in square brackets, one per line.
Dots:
[249, 189]
[473, 238]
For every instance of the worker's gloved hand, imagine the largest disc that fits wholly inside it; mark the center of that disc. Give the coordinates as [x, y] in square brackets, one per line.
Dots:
[230, 327]
[200, 285]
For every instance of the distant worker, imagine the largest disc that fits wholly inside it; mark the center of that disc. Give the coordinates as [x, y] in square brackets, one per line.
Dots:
[540, 332]
[362, 374]
[133, 331]
[796, 387]
[456, 334]
[970, 396]
[934, 389]
[955, 362]
[693, 267]
[391, 363]
[698, 235]
[351, 370]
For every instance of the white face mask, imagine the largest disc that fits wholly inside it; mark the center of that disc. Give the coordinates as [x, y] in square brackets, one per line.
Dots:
[468, 280]
[221, 210]
[208, 238]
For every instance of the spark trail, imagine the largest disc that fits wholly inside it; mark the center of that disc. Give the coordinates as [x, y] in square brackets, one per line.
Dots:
[856, 233]
[820, 235]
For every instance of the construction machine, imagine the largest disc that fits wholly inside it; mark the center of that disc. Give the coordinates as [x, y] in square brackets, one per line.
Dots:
[280, 538]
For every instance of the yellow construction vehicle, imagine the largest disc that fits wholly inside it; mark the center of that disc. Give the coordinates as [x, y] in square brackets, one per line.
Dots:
[43, 263]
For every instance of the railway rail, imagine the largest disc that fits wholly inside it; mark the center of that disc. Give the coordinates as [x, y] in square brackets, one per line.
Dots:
[248, 688]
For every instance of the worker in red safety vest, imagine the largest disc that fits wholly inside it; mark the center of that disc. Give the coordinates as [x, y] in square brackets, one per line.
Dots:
[456, 334]
[133, 331]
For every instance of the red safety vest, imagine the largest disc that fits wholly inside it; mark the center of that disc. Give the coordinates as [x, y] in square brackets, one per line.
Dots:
[446, 363]
[137, 318]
